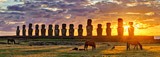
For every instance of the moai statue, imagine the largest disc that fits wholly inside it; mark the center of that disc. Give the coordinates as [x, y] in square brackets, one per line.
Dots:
[71, 30]
[37, 30]
[64, 30]
[30, 30]
[99, 30]
[24, 30]
[131, 29]
[18, 31]
[108, 29]
[50, 30]
[89, 27]
[43, 30]
[80, 30]
[56, 30]
[120, 28]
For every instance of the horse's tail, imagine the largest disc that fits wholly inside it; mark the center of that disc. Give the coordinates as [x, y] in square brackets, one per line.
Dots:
[141, 47]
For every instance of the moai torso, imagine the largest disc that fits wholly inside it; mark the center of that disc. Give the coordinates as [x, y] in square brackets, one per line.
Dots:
[37, 30]
[99, 30]
[89, 27]
[18, 31]
[108, 29]
[80, 30]
[71, 30]
[56, 30]
[131, 29]
[24, 30]
[30, 30]
[43, 30]
[64, 30]
[120, 28]
[50, 30]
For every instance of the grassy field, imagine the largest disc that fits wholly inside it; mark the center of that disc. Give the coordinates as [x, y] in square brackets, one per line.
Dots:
[24, 50]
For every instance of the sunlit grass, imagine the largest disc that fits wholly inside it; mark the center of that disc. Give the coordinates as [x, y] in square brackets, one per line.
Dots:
[150, 50]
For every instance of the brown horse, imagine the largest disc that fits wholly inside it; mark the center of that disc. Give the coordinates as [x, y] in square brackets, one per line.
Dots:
[135, 43]
[90, 43]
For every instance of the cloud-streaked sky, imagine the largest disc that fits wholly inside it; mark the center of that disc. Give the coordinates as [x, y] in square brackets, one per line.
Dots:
[144, 13]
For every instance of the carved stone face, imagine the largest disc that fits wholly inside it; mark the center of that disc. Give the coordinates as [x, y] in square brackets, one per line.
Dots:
[24, 26]
[71, 26]
[80, 26]
[56, 26]
[43, 26]
[30, 25]
[63, 26]
[17, 27]
[50, 26]
[99, 25]
[131, 23]
[108, 25]
[37, 26]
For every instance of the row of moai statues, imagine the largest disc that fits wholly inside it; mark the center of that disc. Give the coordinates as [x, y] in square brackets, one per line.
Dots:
[89, 29]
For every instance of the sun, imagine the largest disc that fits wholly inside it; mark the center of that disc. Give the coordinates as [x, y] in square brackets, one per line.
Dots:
[126, 27]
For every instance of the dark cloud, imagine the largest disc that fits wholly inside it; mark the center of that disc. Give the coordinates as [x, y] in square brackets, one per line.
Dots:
[81, 10]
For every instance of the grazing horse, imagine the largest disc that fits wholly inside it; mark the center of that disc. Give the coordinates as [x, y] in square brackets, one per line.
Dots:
[135, 43]
[11, 40]
[90, 43]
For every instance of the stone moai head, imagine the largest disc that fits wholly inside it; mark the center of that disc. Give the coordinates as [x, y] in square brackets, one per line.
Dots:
[37, 26]
[120, 22]
[71, 26]
[80, 26]
[130, 23]
[63, 26]
[30, 25]
[108, 25]
[56, 26]
[17, 27]
[24, 26]
[89, 22]
[50, 26]
[99, 25]
[43, 26]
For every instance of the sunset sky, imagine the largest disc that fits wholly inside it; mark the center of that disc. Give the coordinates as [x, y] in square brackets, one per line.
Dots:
[144, 13]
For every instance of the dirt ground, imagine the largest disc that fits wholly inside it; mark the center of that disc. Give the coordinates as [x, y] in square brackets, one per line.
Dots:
[102, 50]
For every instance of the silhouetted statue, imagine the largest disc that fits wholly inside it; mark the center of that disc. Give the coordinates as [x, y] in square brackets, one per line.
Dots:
[80, 30]
[18, 31]
[120, 28]
[64, 30]
[56, 30]
[89, 27]
[71, 30]
[43, 30]
[99, 30]
[30, 30]
[131, 30]
[108, 29]
[37, 30]
[24, 30]
[50, 30]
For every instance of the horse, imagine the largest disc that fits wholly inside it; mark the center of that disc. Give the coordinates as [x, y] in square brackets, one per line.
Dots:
[135, 43]
[11, 40]
[90, 43]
